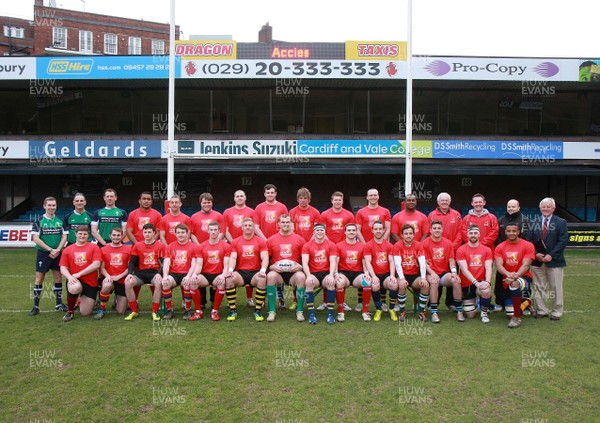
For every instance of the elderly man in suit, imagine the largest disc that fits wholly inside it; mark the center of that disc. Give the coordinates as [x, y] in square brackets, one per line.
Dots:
[550, 236]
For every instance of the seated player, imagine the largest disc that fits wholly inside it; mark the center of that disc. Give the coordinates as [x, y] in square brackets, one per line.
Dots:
[178, 269]
[411, 266]
[212, 268]
[379, 260]
[352, 272]
[250, 259]
[145, 269]
[114, 269]
[285, 250]
[475, 262]
[79, 264]
[319, 262]
[441, 269]
[513, 260]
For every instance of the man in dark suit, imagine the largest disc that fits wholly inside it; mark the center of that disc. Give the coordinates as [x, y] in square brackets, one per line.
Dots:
[549, 234]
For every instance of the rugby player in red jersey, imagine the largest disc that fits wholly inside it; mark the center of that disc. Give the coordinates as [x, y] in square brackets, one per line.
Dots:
[411, 216]
[79, 264]
[285, 249]
[171, 219]
[475, 262]
[304, 216]
[206, 215]
[140, 216]
[370, 214]
[250, 259]
[212, 268]
[114, 269]
[319, 262]
[145, 269]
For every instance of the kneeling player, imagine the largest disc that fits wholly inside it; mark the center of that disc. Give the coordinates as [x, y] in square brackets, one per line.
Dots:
[114, 268]
[513, 259]
[144, 269]
[212, 268]
[319, 262]
[352, 272]
[441, 269]
[285, 250]
[411, 266]
[79, 264]
[251, 256]
[178, 269]
[475, 262]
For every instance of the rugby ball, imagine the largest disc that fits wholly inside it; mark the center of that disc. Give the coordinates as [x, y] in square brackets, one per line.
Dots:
[286, 265]
[522, 285]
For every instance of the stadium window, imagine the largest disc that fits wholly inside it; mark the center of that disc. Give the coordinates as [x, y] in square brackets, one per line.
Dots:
[135, 45]
[110, 44]
[59, 37]
[13, 32]
[158, 47]
[85, 42]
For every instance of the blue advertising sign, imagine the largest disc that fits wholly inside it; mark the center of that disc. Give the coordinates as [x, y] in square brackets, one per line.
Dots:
[95, 149]
[105, 67]
[507, 150]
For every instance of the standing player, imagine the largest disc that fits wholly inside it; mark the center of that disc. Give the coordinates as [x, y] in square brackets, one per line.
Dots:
[441, 269]
[232, 218]
[513, 258]
[475, 262]
[268, 211]
[212, 268]
[114, 269]
[452, 224]
[79, 264]
[170, 220]
[336, 218]
[304, 216]
[145, 269]
[77, 217]
[140, 216]
[285, 248]
[250, 258]
[486, 221]
[410, 216]
[379, 260]
[178, 269]
[550, 237]
[204, 217]
[352, 272]
[107, 218]
[370, 214]
[319, 262]
[411, 266]
[49, 237]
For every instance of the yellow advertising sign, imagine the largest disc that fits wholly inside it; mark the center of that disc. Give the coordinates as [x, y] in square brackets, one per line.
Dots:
[206, 49]
[375, 50]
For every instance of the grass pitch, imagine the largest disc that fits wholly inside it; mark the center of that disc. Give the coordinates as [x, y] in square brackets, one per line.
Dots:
[244, 371]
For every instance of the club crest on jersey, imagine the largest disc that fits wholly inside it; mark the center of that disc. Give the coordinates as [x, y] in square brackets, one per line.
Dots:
[352, 257]
[237, 220]
[213, 256]
[116, 259]
[286, 250]
[320, 256]
[476, 260]
[181, 256]
[337, 223]
[80, 257]
[382, 257]
[304, 222]
[438, 253]
[270, 216]
[373, 218]
[142, 221]
[149, 258]
[248, 250]
[512, 257]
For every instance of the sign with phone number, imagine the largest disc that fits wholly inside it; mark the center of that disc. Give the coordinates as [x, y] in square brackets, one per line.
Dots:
[269, 69]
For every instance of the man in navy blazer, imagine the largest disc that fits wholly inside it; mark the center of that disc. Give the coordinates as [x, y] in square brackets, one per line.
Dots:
[549, 234]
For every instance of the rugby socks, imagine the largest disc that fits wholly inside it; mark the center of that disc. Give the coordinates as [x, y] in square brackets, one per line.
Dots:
[71, 301]
[187, 298]
[331, 294]
[310, 302]
[37, 294]
[155, 307]
[203, 292]
[484, 304]
[516, 297]
[196, 296]
[458, 305]
[103, 300]
[248, 292]
[136, 289]
[260, 298]
[58, 293]
[359, 296]
[216, 302]
[366, 296]
[400, 297]
[423, 298]
[133, 305]
[377, 299]
[272, 297]
[300, 298]
[168, 297]
[340, 295]
[232, 298]
[383, 294]
[434, 308]
[280, 293]
[212, 291]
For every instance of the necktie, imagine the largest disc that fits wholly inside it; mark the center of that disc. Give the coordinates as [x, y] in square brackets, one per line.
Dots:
[545, 229]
